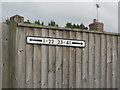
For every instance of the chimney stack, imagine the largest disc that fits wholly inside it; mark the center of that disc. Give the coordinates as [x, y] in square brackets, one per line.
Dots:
[97, 26]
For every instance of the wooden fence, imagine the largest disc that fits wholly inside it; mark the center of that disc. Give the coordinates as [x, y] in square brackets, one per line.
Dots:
[0, 56]
[40, 66]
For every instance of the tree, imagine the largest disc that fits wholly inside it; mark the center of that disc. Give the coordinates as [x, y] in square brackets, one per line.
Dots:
[37, 22]
[68, 25]
[42, 23]
[82, 26]
[52, 23]
[27, 22]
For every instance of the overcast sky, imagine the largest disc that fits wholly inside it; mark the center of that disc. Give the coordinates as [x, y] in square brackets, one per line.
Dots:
[62, 12]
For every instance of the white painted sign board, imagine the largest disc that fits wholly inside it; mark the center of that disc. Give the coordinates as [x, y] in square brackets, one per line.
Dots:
[55, 41]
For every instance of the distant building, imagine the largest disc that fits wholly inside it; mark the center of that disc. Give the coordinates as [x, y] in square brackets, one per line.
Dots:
[97, 26]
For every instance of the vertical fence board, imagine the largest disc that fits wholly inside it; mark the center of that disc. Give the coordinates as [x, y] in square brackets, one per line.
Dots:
[91, 60]
[0, 56]
[59, 62]
[103, 61]
[15, 59]
[37, 61]
[72, 62]
[115, 62]
[20, 42]
[5, 56]
[44, 62]
[85, 68]
[118, 80]
[109, 61]
[97, 61]
[78, 63]
[66, 62]
[29, 61]
[52, 63]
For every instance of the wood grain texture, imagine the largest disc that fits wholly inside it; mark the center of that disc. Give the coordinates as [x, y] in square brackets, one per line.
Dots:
[91, 60]
[72, 63]
[29, 60]
[118, 80]
[59, 62]
[85, 58]
[20, 42]
[78, 62]
[97, 61]
[52, 62]
[103, 61]
[115, 61]
[0, 56]
[66, 50]
[37, 61]
[109, 61]
[5, 56]
[44, 61]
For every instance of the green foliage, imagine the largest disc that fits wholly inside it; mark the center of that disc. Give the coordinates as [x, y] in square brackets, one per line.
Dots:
[52, 23]
[81, 26]
[7, 21]
[38, 22]
[28, 22]
[69, 25]
[42, 23]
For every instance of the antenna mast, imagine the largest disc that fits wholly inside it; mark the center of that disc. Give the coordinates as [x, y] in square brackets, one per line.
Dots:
[97, 7]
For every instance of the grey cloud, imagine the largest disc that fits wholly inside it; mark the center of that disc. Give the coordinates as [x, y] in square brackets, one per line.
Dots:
[63, 12]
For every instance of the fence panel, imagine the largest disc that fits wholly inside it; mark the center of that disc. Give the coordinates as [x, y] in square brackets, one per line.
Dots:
[42, 66]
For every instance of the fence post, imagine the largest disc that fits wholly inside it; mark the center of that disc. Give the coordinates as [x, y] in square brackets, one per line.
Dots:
[0, 56]
[13, 26]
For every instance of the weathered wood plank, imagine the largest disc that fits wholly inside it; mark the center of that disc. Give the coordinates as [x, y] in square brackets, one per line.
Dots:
[0, 56]
[91, 60]
[52, 62]
[109, 61]
[59, 62]
[5, 56]
[85, 66]
[21, 42]
[103, 61]
[14, 67]
[44, 61]
[72, 62]
[13, 50]
[97, 61]
[115, 62]
[29, 61]
[37, 61]
[66, 62]
[78, 63]
[118, 80]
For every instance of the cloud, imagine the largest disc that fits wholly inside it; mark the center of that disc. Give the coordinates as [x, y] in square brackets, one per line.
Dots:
[62, 12]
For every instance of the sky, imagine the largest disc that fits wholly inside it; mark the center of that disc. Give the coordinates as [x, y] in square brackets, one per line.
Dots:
[63, 12]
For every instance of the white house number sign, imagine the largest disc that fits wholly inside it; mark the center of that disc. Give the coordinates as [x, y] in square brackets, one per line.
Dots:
[55, 41]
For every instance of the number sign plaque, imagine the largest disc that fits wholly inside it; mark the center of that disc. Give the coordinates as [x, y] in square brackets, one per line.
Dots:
[55, 41]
